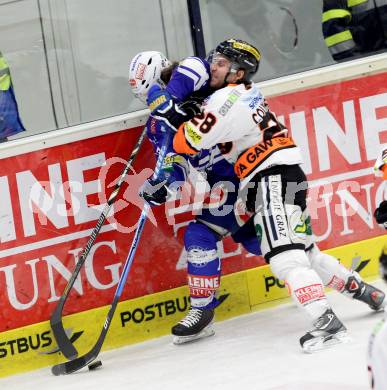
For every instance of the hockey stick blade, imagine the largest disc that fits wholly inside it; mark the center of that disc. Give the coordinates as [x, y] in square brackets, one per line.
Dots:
[64, 343]
[81, 361]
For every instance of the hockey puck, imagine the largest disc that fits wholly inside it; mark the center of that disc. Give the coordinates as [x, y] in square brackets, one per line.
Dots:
[95, 365]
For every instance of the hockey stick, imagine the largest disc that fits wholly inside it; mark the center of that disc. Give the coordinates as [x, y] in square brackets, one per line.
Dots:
[64, 343]
[82, 361]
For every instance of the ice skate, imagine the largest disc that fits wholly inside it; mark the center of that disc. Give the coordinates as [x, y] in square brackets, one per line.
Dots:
[328, 330]
[366, 293]
[197, 324]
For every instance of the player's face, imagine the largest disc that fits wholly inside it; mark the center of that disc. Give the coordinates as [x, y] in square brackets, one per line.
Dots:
[220, 66]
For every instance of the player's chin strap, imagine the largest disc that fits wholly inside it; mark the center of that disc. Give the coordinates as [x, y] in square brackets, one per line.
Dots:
[232, 70]
[225, 82]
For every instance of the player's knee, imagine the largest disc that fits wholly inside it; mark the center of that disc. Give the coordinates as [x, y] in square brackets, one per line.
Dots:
[283, 264]
[314, 255]
[200, 244]
[198, 233]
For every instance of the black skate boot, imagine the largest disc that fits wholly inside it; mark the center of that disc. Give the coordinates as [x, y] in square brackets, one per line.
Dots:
[195, 325]
[328, 330]
[366, 293]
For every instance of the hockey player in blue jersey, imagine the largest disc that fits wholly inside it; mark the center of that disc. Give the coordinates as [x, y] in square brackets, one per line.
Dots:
[188, 86]
[168, 100]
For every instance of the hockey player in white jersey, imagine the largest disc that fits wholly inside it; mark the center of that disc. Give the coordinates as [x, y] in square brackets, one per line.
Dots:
[150, 69]
[266, 158]
[377, 347]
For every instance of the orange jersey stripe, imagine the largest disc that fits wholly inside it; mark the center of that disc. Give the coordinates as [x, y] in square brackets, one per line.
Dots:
[384, 170]
[180, 144]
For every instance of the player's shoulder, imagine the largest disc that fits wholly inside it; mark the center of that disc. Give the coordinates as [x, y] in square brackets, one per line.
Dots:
[195, 64]
[220, 95]
[231, 96]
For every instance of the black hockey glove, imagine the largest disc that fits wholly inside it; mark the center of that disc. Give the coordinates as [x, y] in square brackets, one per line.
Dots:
[191, 107]
[171, 115]
[175, 114]
[272, 128]
[155, 192]
[164, 108]
[381, 214]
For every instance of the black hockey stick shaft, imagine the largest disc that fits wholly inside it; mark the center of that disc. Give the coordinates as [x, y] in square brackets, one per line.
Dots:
[80, 362]
[64, 343]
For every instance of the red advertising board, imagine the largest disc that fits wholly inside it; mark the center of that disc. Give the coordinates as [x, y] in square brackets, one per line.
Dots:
[340, 128]
[51, 199]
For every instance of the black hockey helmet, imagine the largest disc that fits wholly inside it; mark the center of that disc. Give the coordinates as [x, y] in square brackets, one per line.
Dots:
[241, 53]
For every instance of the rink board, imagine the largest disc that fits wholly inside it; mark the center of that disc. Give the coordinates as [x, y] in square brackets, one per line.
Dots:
[52, 196]
[152, 316]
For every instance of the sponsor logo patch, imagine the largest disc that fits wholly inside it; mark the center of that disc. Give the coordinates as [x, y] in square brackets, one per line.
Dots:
[174, 159]
[194, 137]
[140, 71]
[231, 99]
[308, 294]
[157, 102]
[203, 286]
[336, 283]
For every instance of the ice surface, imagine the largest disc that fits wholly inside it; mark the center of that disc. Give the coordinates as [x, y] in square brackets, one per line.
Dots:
[256, 351]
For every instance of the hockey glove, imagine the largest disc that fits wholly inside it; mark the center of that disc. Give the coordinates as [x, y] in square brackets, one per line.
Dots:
[164, 108]
[158, 98]
[172, 177]
[191, 107]
[381, 214]
[271, 127]
[155, 191]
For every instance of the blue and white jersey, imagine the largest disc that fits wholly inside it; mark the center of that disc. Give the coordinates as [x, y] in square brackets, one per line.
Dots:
[212, 160]
[207, 160]
[191, 75]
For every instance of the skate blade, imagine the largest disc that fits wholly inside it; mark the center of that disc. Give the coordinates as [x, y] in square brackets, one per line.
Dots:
[206, 332]
[382, 307]
[324, 342]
